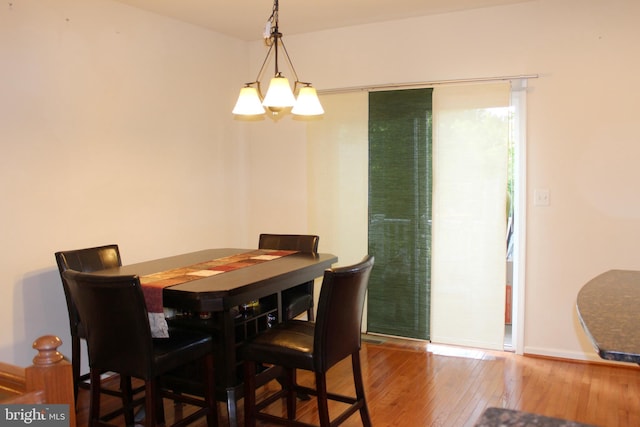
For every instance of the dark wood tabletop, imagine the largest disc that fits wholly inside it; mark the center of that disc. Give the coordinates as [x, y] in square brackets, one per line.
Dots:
[223, 291]
[609, 310]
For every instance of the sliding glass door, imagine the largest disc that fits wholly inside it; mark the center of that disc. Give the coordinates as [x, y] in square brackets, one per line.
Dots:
[418, 178]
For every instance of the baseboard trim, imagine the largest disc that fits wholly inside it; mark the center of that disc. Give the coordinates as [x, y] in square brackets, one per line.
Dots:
[571, 356]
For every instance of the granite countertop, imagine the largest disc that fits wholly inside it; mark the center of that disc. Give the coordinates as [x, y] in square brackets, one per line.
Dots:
[501, 417]
[608, 310]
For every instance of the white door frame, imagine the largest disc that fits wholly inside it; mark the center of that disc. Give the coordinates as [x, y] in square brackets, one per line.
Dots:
[519, 101]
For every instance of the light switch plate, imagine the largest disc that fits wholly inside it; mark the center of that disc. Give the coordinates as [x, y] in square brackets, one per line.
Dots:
[541, 197]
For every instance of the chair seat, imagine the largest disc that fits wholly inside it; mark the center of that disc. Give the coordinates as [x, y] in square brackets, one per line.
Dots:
[288, 344]
[296, 302]
[168, 353]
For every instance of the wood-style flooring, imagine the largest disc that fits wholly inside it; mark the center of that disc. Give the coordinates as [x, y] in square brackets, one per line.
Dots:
[411, 383]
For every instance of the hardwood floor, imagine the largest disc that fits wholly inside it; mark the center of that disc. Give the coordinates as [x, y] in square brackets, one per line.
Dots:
[411, 383]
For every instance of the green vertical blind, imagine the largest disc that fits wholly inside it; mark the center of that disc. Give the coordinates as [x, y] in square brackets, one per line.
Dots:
[399, 218]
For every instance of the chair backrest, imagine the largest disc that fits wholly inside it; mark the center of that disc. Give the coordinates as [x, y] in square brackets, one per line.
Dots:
[339, 318]
[291, 242]
[89, 259]
[85, 260]
[114, 315]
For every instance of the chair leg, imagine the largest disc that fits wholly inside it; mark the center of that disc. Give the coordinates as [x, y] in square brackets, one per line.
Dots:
[357, 379]
[249, 394]
[94, 403]
[75, 364]
[159, 402]
[290, 375]
[323, 404]
[150, 403]
[127, 399]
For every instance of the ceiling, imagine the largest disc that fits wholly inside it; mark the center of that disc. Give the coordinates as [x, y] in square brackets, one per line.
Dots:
[245, 19]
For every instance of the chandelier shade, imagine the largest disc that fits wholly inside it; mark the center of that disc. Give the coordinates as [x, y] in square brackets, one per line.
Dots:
[280, 97]
[248, 103]
[307, 103]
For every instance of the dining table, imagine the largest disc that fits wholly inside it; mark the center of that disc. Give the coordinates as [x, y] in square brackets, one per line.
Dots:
[230, 293]
[608, 309]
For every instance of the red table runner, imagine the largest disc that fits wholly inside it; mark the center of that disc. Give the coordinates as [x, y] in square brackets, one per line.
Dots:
[153, 284]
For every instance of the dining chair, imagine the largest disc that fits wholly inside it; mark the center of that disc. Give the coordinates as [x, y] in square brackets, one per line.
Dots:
[115, 317]
[298, 299]
[314, 346]
[85, 260]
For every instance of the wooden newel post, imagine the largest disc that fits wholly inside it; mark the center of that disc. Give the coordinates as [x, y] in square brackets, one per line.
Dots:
[52, 373]
[47, 347]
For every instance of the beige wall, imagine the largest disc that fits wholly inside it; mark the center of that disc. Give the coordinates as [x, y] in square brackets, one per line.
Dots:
[114, 128]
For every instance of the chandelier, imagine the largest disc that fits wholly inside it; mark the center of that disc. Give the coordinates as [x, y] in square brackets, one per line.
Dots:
[280, 98]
